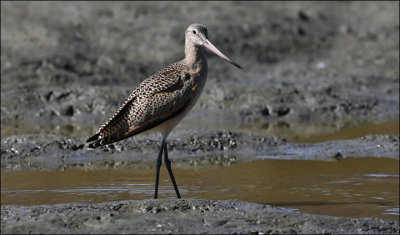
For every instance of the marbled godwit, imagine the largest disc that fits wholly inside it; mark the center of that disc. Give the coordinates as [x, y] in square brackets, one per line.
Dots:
[163, 99]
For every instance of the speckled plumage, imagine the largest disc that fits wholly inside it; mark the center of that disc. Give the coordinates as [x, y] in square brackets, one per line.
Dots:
[156, 99]
[164, 98]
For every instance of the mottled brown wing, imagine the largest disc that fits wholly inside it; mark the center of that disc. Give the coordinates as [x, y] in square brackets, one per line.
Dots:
[157, 99]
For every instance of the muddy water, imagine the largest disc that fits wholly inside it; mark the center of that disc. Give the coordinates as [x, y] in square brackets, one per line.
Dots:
[321, 132]
[311, 133]
[350, 187]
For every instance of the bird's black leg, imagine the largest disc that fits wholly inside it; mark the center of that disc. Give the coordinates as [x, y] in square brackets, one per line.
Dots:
[158, 165]
[168, 164]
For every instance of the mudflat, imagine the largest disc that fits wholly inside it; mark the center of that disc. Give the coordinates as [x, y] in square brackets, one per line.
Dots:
[312, 70]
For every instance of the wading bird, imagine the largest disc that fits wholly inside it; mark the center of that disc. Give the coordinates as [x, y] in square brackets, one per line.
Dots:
[163, 99]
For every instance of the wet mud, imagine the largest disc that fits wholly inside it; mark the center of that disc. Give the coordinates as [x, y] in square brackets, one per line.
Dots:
[180, 216]
[304, 62]
[186, 149]
[311, 69]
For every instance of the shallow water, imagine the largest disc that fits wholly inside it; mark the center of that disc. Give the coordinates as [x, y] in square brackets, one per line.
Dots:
[322, 132]
[308, 132]
[366, 187]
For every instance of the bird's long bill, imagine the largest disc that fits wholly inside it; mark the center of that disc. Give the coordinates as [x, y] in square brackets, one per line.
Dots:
[212, 48]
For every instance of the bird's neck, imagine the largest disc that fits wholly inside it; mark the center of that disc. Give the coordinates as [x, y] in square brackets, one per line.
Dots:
[195, 57]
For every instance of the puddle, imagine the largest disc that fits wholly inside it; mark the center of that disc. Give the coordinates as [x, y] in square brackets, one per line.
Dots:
[320, 132]
[11, 128]
[301, 133]
[388, 127]
[363, 187]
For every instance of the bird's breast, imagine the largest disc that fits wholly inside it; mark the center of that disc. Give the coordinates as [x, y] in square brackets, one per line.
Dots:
[198, 81]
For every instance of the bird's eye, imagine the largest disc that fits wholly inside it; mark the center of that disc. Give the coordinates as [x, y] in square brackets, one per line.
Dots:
[194, 31]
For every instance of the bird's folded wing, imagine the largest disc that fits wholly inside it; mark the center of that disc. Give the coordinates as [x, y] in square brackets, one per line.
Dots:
[157, 99]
